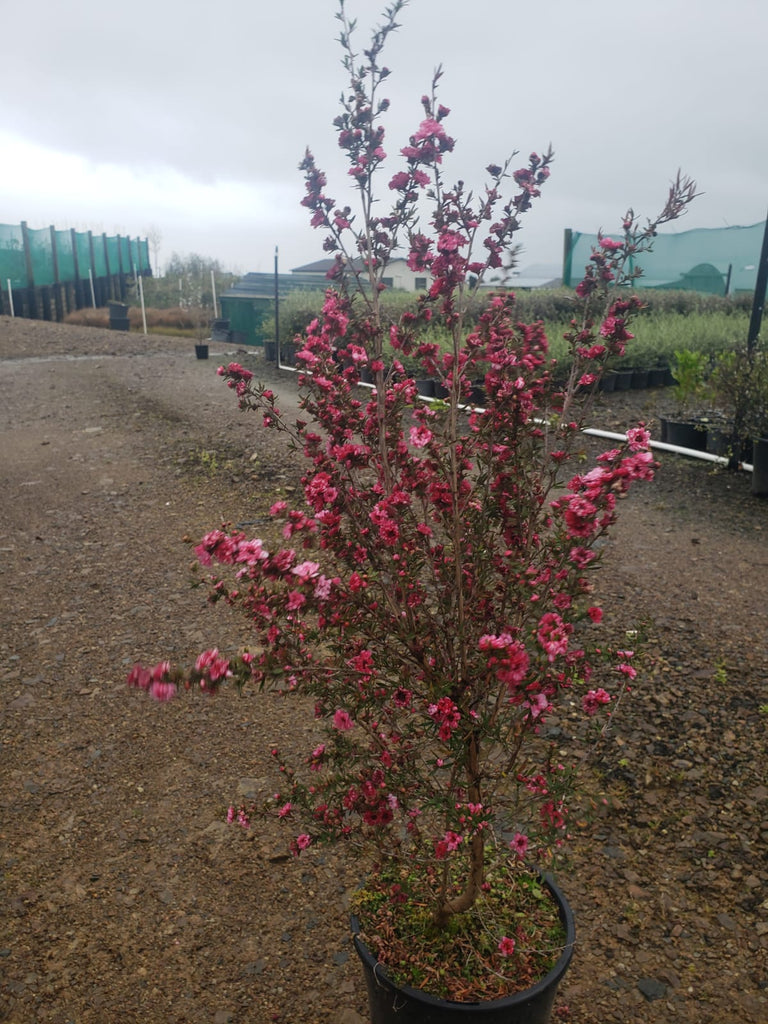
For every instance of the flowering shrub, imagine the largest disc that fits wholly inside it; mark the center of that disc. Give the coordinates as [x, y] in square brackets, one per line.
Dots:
[435, 591]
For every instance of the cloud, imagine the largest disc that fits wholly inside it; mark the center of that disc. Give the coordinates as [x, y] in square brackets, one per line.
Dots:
[195, 116]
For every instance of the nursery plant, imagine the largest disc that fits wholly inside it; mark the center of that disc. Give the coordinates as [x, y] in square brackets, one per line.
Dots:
[738, 390]
[435, 592]
[689, 371]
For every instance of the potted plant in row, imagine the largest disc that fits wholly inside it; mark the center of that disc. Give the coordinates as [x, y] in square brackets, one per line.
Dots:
[685, 426]
[435, 594]
[737, 389]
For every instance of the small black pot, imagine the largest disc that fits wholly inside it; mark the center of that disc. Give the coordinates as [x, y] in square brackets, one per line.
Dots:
[760, 467]
[201, 351]
[425, 387]
[392, 1004]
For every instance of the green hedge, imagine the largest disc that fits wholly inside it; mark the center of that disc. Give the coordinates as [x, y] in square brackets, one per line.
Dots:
[671, 321]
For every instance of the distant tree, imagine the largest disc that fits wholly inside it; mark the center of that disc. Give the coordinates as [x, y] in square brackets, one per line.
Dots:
[155, 238]
[191, 265]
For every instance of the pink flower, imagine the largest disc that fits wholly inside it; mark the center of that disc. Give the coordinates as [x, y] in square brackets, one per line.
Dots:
[507, 946]
[518, 844]
[303, 841]
[342, 720]
[447, 715]
[450, 842]
[538, 705]
[306, 570]
[553, 635]
[285, 810]
[400, 181]
[162, 691]
[638, 438]
[429, 129]
[591, 702]
[420, 436]
[295, 600]
[139, 677]
[212, 665]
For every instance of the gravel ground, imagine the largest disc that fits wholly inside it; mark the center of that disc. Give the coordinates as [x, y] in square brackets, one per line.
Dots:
[126, 896]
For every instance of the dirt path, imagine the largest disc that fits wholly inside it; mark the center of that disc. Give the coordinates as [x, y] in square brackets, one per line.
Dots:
[125, 895]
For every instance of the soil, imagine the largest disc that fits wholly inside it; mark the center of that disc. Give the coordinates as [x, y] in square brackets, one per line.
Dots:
[127, 897]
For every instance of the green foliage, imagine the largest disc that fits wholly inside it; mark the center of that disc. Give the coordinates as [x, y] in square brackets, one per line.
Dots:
[738, 390]
[689, 369]
[186, 284]
[674, 321]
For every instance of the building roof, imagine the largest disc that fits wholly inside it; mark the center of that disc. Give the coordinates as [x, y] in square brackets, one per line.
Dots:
[323, 266]
[262, 286]
[537, 275]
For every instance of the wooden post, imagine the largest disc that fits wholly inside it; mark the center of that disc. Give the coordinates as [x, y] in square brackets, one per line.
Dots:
[92, 273]
[759, 297]
[277, 313]
[57, 300]
[79, 299]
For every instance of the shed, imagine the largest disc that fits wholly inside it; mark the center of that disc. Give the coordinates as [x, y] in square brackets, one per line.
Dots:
[250, 304]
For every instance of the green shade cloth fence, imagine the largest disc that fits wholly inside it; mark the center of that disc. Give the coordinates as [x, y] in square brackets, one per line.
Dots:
[720, 261]
[47, 272]
[36, 257]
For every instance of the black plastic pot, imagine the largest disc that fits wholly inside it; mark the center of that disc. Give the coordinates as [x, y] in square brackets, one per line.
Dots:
[623, 380]
[608, 381]
[760, 467]
[288, 355]
[425, 386]
[201, 351]
[685, 434]
[220, 330]
[720, 441]
[640, 379]
[393, 1004]
[479, 397]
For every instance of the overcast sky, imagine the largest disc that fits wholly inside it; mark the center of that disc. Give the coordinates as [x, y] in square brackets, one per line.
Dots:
[191, 117]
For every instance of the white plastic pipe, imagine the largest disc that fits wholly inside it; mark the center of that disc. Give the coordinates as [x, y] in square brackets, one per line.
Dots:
[213, 287]
[10, 297]
[662, 446]
[143, 310]
[608, 435]
[93, 292]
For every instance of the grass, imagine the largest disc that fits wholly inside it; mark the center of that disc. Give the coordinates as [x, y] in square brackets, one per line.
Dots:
[176, 322]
